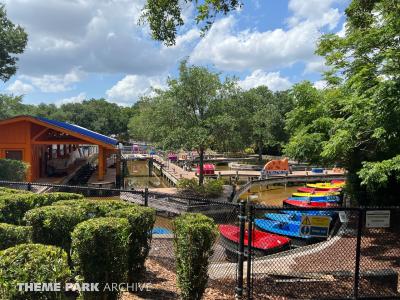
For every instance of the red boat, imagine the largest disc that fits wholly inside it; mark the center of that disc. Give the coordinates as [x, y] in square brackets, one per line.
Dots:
[314, 190]
[338, 181]
[264, 243]
[297, 203]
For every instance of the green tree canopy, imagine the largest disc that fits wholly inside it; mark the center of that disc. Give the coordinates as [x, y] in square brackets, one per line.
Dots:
[165, 17]
[13, 41]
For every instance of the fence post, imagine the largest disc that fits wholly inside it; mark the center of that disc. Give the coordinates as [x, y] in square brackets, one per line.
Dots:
[249, 251]
[242, 221]
[358, 253]
[29, 186]
[146, 197]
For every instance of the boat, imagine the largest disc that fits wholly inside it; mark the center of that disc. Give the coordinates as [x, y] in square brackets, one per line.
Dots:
[317, 199]
[310, 204]
[291, 230]
[299, 213]
[316, 190]
[161, 230]
[326, 185]
[295, 219]
[263, 243]
[338, 181]
[318, 194]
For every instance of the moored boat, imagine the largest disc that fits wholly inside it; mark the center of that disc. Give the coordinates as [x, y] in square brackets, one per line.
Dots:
[295, 219]
[318, 194]
[316, 190]
[310, 204]
[317, 198]
[263, 243]
[326, 185]
[299, 213]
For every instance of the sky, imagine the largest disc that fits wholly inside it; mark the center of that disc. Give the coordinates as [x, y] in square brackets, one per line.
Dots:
[82, 49]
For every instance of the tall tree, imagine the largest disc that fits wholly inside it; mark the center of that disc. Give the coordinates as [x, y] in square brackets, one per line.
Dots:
[165, 17]
[13, 41]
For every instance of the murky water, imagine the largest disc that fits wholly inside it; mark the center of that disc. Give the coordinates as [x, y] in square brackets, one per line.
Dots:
[139, 176]
[271, 195]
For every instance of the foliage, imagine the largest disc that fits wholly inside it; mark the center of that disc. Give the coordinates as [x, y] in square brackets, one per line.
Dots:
[141, 221]
[195, 235]
[212, 188]
[100, 253]
[13, 40]
[95, 208]
[14, 206]
[164, 17]
[12, 170]
[11, 235]
[52, 225]
[7, 191]
[11, 106]
[32, 263]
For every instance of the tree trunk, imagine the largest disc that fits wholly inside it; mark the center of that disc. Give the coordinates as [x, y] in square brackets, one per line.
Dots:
[201, 166]
[260, 152]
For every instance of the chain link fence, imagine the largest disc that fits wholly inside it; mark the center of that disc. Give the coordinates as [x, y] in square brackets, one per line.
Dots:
[262, 253]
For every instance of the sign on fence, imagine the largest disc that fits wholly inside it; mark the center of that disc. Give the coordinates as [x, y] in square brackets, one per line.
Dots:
[315, 226]
[377, 219]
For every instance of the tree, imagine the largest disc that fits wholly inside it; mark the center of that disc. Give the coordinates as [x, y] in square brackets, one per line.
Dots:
[164, 17]
[11, 106]
[358, 116]
[13, 40]
[184, 115]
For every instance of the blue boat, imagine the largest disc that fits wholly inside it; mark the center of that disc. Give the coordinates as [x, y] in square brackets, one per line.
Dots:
[161, 230]
[317, 199]
[281, 228]
[310, 212]
[287, 218]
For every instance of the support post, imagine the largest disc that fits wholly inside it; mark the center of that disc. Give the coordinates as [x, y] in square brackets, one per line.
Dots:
[249, 251]
[242, 221]
[358, 253]
[146, 197]
[118, 170]
[101, 167]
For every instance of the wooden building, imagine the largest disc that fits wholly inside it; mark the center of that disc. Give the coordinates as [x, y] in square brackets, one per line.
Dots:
[41, 142]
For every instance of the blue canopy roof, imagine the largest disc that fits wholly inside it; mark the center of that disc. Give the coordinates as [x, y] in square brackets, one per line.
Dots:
[80, 130]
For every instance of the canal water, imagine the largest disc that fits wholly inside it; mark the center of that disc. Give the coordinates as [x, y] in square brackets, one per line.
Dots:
[138, 176]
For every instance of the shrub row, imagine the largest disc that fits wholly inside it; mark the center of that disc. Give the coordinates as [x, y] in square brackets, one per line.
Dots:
[141, 221]
[194, 237]
[6, 191]
[14, 206]
[27, 263]
[11, 235]
[100, 253]
[212, 188]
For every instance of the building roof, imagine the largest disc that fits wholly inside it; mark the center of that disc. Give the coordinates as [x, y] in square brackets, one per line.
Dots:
[80, 130]
[74, 130]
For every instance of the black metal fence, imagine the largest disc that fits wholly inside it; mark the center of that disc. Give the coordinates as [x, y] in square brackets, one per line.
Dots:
[356, 260]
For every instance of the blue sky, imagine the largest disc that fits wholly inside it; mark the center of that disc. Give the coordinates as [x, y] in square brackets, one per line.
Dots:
[82, 49]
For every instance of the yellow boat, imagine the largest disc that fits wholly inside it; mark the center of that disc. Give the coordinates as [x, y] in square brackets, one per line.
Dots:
[328, 185]
[317, 194]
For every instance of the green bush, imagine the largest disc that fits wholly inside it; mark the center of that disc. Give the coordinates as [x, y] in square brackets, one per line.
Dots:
[95, 208]
[12, 170]
[100, 253]
[11, 235]
[14, 206]
[6, 191]
[195, 235]
[27, 263]
[141, 220]
[212, 188]
[53, 225]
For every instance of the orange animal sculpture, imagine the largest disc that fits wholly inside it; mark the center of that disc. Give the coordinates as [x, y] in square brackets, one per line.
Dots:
[277, 166]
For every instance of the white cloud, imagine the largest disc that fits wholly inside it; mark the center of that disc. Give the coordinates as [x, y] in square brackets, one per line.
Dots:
[272, 80]
[20, 88]
[315, 66]
[131, 87]
[253, 49]
[75, 99]
[55, 83]
[97, 36]
[318, 12]
[320, 84]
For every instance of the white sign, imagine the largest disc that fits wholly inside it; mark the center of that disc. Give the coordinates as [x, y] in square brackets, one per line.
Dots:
[377, 219]
[343, 217]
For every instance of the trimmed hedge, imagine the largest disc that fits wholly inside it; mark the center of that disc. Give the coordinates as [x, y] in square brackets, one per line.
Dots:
[53, 225]
[95, 208]
[141, 220]
[194, 237]
[100, 253]
[11, 235]
[6, 191]
[14, 206]
[27, 263]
